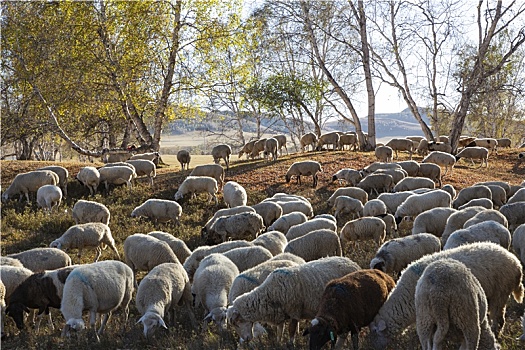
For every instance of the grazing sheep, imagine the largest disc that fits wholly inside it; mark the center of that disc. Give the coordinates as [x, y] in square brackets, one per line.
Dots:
[489, 143]
[305, 168]
[258, 147]
[504, 143]
[269, 211]
[222, 151]
[422, 147]
[354, 192]
[384, 154]
[10, 278]
[351, 176]
[8, 261]
[396, 254]
[291, 205]
[274, 241]
[211, 283]
[234, 194]
[486, 231]
[237, 226]
[179, 248]
[393, 200]
[40, 259]
[184, 158]
[503, 184]
[374, 207]
[448, 296]
[390, 222]
[152, 156]
[518, 242]
[478, 202]
[514, 214]
[281, 140]
[440, 147]
[472, 153]
[308, 139]
[100, 287]
[144, 167]
[198, 184]
[397, 174]
[160, 291]
[378, 165]
[431, 171]
[247, 257]
[286, 221]
[348, 139]
[377, 183]
[444, 159]
[29, 182]
[473, 192]
[211, 170]
[432, 221]
[348, 303]
[367, 228]
[401, 145]
[486, 215]
[116, 175]
[63, 175]
[309, 226]
[89, 177]
[159, 210]
[247, 149]
[330, 138]
[115, 156]
[456, 221]
[48, 197]
[287, 293]
[519, 196]
[450, 189]
[224, 212]
[347, 205]
[412, 183]
[270, 149]
[411, 167]
[514, 189]
[315, 245]
[418, 203]
[485, 260]
[91, 234]
[88, 211]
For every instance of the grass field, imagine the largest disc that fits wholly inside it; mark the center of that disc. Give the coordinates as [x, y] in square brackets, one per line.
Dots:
[25, 226]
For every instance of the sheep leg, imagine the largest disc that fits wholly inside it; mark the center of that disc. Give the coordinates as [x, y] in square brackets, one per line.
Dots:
[292, 330]
[339, 344]
[103, 324]
[98, 254]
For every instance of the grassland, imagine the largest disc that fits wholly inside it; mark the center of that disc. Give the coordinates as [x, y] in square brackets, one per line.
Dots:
[24, 227]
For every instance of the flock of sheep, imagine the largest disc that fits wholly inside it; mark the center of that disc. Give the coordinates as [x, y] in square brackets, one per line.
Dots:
[278, 263]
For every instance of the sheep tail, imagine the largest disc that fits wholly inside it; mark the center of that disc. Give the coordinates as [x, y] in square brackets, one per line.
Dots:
[518, 293]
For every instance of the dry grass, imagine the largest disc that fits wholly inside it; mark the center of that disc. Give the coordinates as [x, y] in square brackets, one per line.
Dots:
[24, 227]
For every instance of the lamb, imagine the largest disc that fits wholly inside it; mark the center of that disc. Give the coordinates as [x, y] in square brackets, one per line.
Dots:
[237, 226]
[91, 234]
[478, 202]
[152, 156]
[448, 296]
[359, 294]
[302, 229]
[234, 194]
[489, 143]
[367, 228]
[351, 176]
[159, 210]
[269, 211]
[347, 205]
[514, 214]
[270, 148]
[10, 278]
[410, 166]
[377, 183]
[330, 138]
[247, 149]
[287, 293]
[519, 196]
[274, 241]
[390, 222]
[211, 284]
[472, 153]
[184, 158]
[384, 154]
[160, 291]
[431, 171]
[396, 254]
[440, 146]
[29, 182]
[247, 257]
[413, 183]
[63, 175]
[143, 252]
[101, 287]
[305, 168]
[89, 211]
[48, 197]
[40, 259]
[432, 221]
[211, 170]
[374, 207]
[222, 151]
[224, 212]
[486, 215]
[116, 175]
[198, 184]
[444, 159]
[401, 145]
[258, 147]
[308, 139]
[394, 200]
[286, 221]
[456, 221]
[518, 242]
[89, 177]
[179, 248]
[473, 192]
[144, 167]
[487, 231]
[398, 312]
[315, 245]
[418, 203]
[354, 192]
[281, 140]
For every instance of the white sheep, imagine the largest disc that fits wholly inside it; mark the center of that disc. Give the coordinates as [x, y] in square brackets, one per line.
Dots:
[412, 183]
[347, 205]
[116, 175]
[379, 165]
[444, 147]
[48, 197]
[89, 211]
[269, 211]
[456, 221]
[247, 149]
[159, 210]
[431, 171]
[499, 195]
[308, 139]
[518, 242]
[160, 291]
[486, 215]
[390, 222]
[309, 226]
[222, 151]
[472, 192]
[178, 246]
[281, 139]
[224, 212]
[397, 174]
[234, 194]
[351, 176]
[212, 170]
[247, 257]
[519, 196]
[478, 202]
[63, 176]
[89, 177]
[401, 145]
[422, 147]
[503, 184]
[514, 214]
[472, 153]
[10, 278]
[40, 259]
[7, 261]
[304, 168]
[374, 207]
[274, 241]
[115, 156]
[211, 284]
[198, 184]
[486, 231]
[489, 143]
[450, 189]
[353, 192]
[91, 234]
[144, 167]
[100, 287]
[29, 182]
[377, 183]
[349, 139]
[237, 226]
[152, 156]
[444, 159]
[393, 200]
[270, 148]
[315, 245]
[184, 158]
[432, 221]
[258, 147]
[410, 166]
[286, 221]
[418, 203]
[485, 260]
[290, 205]
[367, 228]
[394, 255]
[447, 297]
[330, 138]
[384, 154]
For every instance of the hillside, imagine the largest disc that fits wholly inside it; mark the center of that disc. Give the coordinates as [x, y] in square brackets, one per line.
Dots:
[24, 227]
